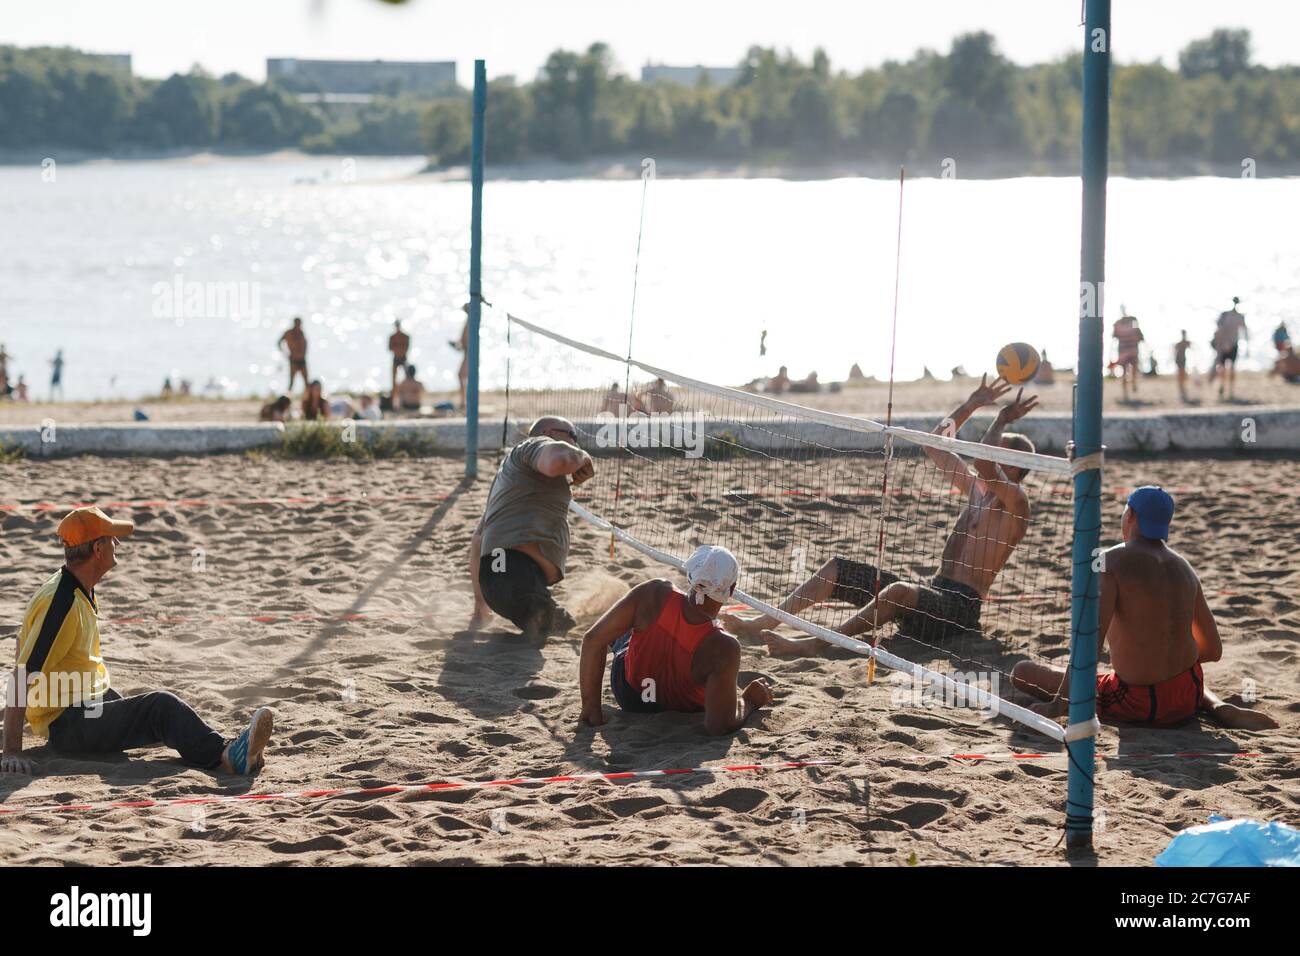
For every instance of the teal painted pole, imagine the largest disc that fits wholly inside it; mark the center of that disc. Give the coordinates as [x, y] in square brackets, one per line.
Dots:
[1085, 583]
[475, 270]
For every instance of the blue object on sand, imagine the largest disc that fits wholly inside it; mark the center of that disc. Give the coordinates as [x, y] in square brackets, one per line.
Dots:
[140, 416]
[1223, 842]
[444, 407]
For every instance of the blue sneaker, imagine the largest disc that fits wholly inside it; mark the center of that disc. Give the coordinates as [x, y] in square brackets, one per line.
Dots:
[245, 751]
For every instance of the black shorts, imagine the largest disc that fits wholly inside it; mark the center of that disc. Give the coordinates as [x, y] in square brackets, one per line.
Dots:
[944, 609]
[1228, 356]
[627, 696]
[519, 593]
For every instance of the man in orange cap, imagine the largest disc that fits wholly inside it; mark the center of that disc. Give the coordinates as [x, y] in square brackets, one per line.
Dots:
[61, 686]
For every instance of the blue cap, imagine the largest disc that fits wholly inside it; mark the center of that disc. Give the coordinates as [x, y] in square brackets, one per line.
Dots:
[1154, 508]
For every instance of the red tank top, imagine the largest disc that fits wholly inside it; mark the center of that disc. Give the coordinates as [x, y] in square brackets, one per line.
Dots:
[663, 652]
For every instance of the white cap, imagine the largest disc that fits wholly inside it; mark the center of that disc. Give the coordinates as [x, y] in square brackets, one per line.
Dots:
[711, 572]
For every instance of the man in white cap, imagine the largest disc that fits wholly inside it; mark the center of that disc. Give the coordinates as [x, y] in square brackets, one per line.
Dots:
[669, 652]
[61, 687]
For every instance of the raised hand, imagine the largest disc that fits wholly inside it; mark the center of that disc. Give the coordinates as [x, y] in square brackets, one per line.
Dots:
[586, 470]
[1018, 409]
[986, 393]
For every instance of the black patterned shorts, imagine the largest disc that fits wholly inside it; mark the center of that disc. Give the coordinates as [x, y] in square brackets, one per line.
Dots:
[944, 609]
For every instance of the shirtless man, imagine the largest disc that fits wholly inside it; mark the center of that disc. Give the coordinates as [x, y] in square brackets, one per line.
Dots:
[518, 552]
[1127, 334]
[1229, 331]
[295, 341]
[461, 345]
[1180, 362]
[1160, 629]
[987, 531]
[399, 343]
[669, 653]
[410, 394]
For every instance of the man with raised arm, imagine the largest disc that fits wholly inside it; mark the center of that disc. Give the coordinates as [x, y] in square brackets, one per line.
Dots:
[518, 551]
[1160, 628]
[987, 531]
[669, 653]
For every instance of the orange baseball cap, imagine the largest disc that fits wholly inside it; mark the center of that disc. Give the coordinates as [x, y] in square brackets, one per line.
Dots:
[87, 524]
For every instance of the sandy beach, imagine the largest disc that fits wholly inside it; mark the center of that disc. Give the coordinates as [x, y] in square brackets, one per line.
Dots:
[869, 399]
[346, 613]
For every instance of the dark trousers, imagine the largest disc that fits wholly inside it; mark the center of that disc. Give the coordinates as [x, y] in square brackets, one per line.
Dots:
[124, 723]
[518, 592]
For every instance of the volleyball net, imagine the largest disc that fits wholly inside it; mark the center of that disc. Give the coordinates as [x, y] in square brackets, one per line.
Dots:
[828, 508]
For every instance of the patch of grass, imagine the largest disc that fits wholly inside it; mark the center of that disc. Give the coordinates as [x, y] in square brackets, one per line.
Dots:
[321, 440]
[10, 455]
[388, 443]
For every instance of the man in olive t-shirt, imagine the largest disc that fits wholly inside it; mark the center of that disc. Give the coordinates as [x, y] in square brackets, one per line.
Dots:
[522, 541]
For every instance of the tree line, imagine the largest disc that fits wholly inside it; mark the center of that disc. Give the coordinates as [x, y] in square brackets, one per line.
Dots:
[971, 103]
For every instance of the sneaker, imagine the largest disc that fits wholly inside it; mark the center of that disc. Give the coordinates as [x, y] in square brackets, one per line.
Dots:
[545, 622]
[245, 752]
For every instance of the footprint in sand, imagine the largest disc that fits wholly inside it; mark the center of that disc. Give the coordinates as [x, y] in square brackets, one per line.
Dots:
[583, 812]
[360, 765]
[627, 806]
[536, 692]
[898, 737]
[737, 799]
[918, 814]
[1037, 770]
[929, 791]
[323, 842]
[303, 736]
[921, 721]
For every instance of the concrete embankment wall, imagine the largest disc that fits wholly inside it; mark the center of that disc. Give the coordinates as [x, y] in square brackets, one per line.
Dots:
[1245, 430]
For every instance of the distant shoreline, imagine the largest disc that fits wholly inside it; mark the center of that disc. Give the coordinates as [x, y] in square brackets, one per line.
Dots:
[628, 166]
[1156, 397]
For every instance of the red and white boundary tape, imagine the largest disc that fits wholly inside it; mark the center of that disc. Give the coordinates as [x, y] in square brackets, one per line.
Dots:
[439, 787]
[465, 786]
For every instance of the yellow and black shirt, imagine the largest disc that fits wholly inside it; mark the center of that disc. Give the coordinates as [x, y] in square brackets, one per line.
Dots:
[58, 643]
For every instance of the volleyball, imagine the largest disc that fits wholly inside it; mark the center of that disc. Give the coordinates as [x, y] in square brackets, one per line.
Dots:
[1018, 363]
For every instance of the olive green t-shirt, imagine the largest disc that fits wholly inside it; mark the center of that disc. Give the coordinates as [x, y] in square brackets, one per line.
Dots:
[524, 506]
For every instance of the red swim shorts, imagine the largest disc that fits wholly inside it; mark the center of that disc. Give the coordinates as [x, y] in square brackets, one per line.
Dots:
[1165, 704]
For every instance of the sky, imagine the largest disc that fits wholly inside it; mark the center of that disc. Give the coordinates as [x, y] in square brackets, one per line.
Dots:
[515, 36]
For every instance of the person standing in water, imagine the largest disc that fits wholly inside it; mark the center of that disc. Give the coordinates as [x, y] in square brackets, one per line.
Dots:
[295, 341]
[1227, 339]
[399, 343]
[1180, 362]
[56, 375]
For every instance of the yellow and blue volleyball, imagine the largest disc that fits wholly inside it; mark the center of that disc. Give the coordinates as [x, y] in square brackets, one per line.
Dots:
[1018, 362]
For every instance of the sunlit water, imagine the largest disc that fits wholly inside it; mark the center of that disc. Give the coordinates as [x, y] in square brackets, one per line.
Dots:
[88, 262]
